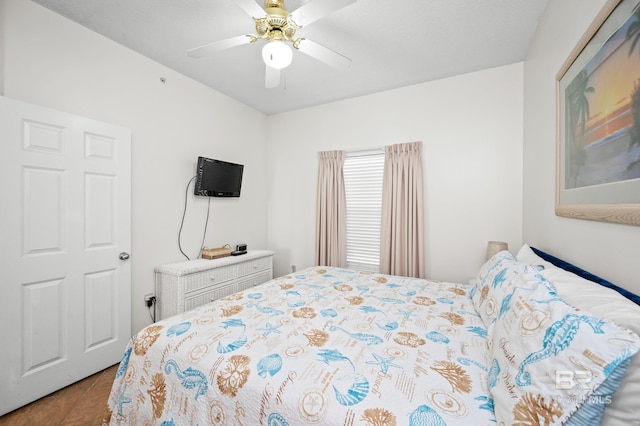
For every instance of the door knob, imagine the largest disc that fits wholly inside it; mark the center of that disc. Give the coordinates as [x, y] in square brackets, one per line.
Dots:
[124, 256]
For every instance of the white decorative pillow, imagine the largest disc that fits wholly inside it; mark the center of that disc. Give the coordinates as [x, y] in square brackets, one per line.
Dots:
[526, 255]
[591, 296]
[585, 294]
[549, 358]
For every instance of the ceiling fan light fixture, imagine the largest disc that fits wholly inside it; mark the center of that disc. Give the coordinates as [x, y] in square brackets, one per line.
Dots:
[277, 54]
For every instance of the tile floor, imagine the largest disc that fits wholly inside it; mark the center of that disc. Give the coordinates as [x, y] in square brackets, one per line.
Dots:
[82, 403]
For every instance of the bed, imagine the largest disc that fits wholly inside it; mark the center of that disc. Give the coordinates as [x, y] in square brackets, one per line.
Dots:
[332, 346]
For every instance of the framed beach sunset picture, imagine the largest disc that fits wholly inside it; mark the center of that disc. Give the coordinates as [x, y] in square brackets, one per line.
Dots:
[598, 120]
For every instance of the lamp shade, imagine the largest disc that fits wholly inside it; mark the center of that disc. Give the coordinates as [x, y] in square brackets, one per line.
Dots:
[494, 247]
[277, 54]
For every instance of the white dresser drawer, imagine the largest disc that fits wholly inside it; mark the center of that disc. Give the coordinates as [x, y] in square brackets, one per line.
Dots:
[209, 296]
[204, 279]
[254, 265]
[254, 280]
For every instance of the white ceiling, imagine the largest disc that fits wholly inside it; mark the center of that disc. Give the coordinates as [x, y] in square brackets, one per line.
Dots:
[392, 43]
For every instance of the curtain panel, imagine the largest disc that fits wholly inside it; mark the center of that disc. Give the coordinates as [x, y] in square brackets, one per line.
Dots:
[331, 211]
[402, 240]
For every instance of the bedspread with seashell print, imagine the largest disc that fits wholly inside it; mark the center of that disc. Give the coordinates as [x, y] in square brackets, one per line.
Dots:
[324, 346]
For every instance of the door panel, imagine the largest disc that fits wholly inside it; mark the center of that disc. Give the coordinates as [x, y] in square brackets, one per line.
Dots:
[101, 318]
[44, 331]
[64, 294]
[42, 137]
[100, 212]
[43, 214]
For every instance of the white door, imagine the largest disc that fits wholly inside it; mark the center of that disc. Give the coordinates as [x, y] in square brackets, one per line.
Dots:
[65, 189]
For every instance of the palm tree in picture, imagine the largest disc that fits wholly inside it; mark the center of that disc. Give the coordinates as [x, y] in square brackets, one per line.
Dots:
[578, 114]
[635, 112]
[633, 32]
[634, 130]
[633, 35]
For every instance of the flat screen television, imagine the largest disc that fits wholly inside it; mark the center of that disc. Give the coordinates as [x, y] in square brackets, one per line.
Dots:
[215, 178]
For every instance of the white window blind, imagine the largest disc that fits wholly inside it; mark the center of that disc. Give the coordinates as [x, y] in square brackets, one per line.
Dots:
[363, 173]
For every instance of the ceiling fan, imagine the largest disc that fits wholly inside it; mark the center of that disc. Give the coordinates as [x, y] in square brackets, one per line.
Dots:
[278, 27]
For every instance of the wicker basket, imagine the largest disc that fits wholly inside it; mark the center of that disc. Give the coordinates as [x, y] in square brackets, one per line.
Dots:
[215, 253]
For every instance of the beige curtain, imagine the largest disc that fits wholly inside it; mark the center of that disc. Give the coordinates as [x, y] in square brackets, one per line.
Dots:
[331, 213]
[402, 245]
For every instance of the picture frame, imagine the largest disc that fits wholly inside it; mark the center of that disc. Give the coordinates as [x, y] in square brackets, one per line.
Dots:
[598, 120]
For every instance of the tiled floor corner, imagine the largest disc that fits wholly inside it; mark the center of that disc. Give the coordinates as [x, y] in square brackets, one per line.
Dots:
[82, 403]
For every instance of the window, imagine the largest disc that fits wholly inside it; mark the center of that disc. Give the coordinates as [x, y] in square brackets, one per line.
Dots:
[363, 171]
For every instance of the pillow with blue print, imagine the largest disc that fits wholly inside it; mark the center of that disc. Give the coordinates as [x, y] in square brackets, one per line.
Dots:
[493, 287]
[610, 305]
[554, 362]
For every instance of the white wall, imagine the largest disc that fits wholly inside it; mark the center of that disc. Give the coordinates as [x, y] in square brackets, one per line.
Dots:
[608, 250]
[54, 62]
[2, 30]
[471, 129]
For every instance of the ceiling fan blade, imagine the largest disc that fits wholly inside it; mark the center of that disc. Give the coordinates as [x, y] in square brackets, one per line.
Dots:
[316, 9]
[272, 77]
[251, 8]
[324, 54]
[217, 46]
